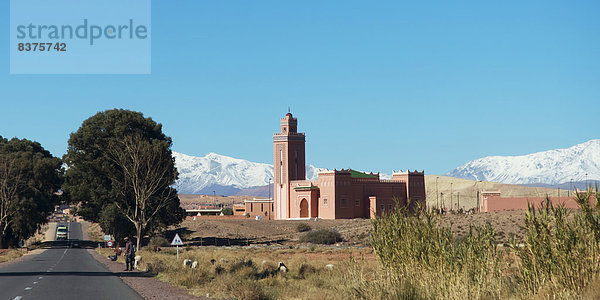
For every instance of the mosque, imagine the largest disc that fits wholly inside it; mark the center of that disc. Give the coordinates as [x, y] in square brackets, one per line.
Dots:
[337, 194]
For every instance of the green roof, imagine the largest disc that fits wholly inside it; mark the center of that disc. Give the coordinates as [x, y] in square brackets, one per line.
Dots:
[306, 188]
[357, 174]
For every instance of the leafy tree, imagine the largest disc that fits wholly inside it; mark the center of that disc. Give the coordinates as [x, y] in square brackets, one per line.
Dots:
[108, 161]
[29, 178]
[113, 221]
[227, 211]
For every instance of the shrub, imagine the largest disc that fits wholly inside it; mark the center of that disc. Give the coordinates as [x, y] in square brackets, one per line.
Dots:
[158, 241]
[427, 261]
[228, 211]
[560, 253]
[303, 227]
[306, 269]
[322, 236]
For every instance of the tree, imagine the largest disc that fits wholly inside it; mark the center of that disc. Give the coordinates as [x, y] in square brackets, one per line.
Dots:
[29, 178]
[96, 179]
[114, 222]
[143, 178]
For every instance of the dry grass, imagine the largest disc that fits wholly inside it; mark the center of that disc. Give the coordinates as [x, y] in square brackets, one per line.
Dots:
[9, 254]
[251, 273]
[548, 253]
[95, 233]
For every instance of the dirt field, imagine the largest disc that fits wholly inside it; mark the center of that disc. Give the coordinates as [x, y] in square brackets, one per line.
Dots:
[355, 232]
[506, 223]
[244, 231]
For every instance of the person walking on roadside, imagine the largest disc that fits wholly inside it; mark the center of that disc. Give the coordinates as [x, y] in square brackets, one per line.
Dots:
[129, 254]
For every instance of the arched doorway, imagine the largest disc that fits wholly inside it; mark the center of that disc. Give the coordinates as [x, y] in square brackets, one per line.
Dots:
[303, 208]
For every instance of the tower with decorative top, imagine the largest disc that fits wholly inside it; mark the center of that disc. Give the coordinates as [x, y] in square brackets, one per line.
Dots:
[289, 163]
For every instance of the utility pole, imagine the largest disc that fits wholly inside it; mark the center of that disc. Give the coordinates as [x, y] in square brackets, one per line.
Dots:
[458, 208]
[570, 188]
[270, 204]
[586, 181]
[478, 205]
[269, 188]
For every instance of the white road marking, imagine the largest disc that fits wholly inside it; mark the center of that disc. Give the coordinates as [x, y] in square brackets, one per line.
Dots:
[40, 277]
[35, 282]
[18, 298]
[28, 288]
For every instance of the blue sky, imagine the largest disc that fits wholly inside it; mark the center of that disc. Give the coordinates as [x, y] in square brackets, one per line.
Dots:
[375, 85]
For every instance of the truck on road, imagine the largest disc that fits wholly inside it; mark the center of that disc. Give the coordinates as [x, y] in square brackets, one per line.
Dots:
[62, 232]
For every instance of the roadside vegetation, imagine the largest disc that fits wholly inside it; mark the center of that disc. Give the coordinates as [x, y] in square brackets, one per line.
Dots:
[29, 178]
[253, 272]
[121, 170]
[412, 256]
[303, 227]
[322, 236]
[559, 257]
[9, 254]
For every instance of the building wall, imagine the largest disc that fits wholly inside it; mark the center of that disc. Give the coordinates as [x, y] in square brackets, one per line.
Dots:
[239, 209]
[326, 184]
[498, 203]
[260, 208]
[415, 186]
[351, 196]
[386, 193]
[298, 194]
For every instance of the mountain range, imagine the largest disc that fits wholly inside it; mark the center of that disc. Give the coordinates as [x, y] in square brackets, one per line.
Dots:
[227, 176]
[579, 163]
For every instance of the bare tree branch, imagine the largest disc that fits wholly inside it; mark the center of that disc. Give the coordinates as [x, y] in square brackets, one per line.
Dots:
[146, 172]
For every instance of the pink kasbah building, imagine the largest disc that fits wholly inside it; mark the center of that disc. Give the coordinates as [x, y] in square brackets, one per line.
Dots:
[337, 194]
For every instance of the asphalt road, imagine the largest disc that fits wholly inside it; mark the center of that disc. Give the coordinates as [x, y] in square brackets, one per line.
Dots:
[62, 272]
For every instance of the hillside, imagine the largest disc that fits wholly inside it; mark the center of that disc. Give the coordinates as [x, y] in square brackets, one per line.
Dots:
[466, 190]
[578, 163]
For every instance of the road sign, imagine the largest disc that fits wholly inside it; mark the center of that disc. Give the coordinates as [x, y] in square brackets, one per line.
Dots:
[109, 243]
[107, 237]
[176, 241]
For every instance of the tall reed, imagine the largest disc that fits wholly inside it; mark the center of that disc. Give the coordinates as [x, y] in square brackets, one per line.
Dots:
[560, 254]
[431, 262]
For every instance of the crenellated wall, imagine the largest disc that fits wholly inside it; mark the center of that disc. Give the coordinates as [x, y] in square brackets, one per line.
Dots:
[337, 194]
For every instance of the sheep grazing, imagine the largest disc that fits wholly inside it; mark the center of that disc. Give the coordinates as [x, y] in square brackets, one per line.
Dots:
[187, 262]
[282, 268]
[136, 263]
[329, 266]
[195, 265]
[212, 261]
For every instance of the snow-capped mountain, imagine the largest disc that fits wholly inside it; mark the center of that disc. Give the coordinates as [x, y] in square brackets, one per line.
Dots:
[224, 175]
[547, 167]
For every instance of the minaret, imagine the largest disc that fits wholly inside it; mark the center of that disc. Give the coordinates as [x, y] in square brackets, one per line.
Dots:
[289, 163]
